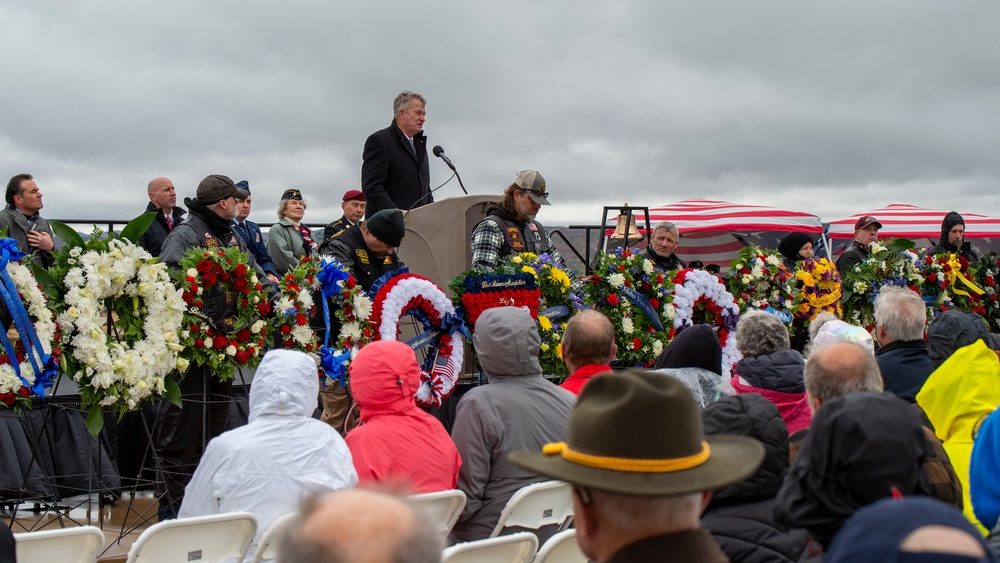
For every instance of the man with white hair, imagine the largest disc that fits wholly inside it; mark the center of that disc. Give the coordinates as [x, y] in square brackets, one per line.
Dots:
[662, 245]
[900, 317]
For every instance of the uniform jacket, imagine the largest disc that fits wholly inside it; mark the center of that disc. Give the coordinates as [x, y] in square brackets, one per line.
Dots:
[398, 441]
[741, 516]
[17, 229]
[904, 366]
[518, 411]
[778, 377]
[152, 239]
[395, 175]
[254, 239]
[962, 392]
[284, 244]
[337, 227]
[268, 466]
[351, 251]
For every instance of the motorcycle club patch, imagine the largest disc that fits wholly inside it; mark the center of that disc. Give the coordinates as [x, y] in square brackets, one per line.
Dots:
[210, 241]
[514, 236]
[362, 255]
[534, 230]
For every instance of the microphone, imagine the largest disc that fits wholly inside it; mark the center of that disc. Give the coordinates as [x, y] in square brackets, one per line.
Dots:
[439, 152]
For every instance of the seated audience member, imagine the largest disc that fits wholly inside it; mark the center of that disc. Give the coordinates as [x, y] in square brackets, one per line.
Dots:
[951, 330]
[637, 495]
[909, 529]
[695, 358]
[956, 398]
[268, 466]
[771, 368]
[518, 410]
[838, 369]
[984, 487]
[289, 240]
[741, 516]
[588, 347]
[398, 442]
[861, 447]
[360, 526]
[795, 247]
[900, 316]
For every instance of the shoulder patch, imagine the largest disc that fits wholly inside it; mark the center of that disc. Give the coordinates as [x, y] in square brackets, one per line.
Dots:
[362, 255]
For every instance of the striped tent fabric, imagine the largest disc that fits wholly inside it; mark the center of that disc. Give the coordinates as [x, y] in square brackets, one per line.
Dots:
[715, 231]
[900, 220]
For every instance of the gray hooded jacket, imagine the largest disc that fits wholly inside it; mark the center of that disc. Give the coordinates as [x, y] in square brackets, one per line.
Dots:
[518, 410]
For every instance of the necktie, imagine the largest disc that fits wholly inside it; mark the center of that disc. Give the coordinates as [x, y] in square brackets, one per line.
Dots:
[170, 222]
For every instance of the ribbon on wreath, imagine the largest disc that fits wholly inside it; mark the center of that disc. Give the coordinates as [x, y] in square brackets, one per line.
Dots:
[450, 324]
[330, 359]
[44, 365]
[640, 301]
[955, 274]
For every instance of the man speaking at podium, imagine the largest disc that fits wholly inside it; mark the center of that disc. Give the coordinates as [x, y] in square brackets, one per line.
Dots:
[395, 173]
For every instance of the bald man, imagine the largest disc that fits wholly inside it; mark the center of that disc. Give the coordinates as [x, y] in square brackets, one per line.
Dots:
[361, 526]
[163, 201]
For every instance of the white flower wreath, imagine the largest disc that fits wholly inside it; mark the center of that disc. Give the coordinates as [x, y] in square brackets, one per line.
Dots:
[401, 292]
[697, 284]
[45, 327]
[139, 368]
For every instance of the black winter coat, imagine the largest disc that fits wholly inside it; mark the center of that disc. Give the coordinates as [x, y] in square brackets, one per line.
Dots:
[741, 516]
[395, 175]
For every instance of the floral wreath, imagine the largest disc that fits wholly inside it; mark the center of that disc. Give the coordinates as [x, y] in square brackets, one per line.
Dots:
[410, 294]
[697, 289]
[819, 289]
[112, 276]
[18, 381]
[987, 273]
[241, 341]
[888, 263]
[352, 308]
[295, 306]
[758, 279]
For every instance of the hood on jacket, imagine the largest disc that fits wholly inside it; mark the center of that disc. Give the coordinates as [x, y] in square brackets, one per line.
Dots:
[859, 449]
[507, 342]
[696, 346]
[286, 384]
[384, 378]
[962, 391]
[950, 220]
[952, 330]
[706, 386]
[984, 487]
[754, 416]
[777, 371]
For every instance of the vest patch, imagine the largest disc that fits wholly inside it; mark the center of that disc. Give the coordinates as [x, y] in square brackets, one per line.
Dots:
[534, 231]
[514, 237]
[362, 255]
[210, 241]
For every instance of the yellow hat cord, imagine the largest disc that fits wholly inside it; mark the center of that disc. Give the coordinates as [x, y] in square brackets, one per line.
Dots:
[630, 465]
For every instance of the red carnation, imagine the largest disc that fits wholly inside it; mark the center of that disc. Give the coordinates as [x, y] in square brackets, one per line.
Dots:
[289, 343]
[219, 342]
[209, 279]
[655, 303]
[286, 329]
[204, 266]
[243, 335]
[241, 270]
[932, 277]
[636, 344]
[263, 308]
[300, 320]
[351, 282]
[612, 299]
[242, 357]
[990, 281]
[199, 343]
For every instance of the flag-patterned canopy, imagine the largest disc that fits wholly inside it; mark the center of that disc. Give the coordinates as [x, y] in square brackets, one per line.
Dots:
[900, 220]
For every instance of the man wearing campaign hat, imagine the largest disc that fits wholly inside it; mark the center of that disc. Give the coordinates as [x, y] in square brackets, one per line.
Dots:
[369, 250]
[353, 205]
[638, 496]
[865, 233]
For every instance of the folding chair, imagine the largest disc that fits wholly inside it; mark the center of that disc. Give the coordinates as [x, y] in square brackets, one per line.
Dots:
[561, 548]
[515, 548]
[268, 547]
[67, 545]
[545, 508]
[206, 539]
[444, 507]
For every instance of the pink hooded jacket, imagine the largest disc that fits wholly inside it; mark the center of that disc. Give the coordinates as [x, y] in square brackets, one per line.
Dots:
[397, 442]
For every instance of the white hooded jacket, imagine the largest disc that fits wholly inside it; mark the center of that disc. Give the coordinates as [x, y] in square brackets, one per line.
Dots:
[281, 456]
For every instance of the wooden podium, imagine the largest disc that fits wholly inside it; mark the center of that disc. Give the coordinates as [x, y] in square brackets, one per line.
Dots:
[437, 237]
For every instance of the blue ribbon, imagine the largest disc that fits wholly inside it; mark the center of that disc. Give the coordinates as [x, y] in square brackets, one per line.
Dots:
[333, 364]
[451, 323]
[329, 276]
[557, 312]
[45, 373]
[640, 301]
[785, 317]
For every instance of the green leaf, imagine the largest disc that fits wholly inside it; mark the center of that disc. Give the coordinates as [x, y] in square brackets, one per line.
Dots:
[48, 283]
[171, 391]
[66, 234]
[95, 420]
[3, 232]
[901, 244]
[137, 227]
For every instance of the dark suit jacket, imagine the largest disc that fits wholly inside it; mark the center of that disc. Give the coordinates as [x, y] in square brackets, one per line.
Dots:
[393, 174]
[152, 239]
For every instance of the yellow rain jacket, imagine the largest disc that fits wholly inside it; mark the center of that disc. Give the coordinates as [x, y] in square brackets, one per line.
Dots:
[957, 397]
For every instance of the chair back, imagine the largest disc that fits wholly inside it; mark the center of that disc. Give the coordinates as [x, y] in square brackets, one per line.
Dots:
[205, 539]
[515, 548]
[561, 548]
[541, 504]
[267, 549]
[66, 545]
[444, 507]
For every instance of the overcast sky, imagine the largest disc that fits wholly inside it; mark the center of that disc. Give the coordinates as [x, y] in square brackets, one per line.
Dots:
[832, 109]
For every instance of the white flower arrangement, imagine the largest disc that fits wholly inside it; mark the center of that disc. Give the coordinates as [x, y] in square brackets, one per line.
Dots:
[697, 284]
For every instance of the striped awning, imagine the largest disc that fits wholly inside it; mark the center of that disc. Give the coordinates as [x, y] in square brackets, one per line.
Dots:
[900, 220]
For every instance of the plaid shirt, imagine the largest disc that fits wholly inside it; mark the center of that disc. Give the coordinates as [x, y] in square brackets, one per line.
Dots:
[487, 243]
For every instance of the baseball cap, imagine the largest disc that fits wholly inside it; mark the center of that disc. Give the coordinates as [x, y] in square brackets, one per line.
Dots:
[533, 183]
[865, 221]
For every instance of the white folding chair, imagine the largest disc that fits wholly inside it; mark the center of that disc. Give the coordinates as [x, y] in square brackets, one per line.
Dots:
[206, 539]
[541, 504]
[66, 545]
[515, 548]
[444, 507]
[561, 548]
[267, 549]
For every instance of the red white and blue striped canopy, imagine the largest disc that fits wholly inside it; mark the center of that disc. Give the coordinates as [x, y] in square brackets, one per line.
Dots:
[900, 220]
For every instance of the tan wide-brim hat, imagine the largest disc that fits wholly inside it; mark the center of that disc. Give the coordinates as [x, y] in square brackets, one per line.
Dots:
[640, 432]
